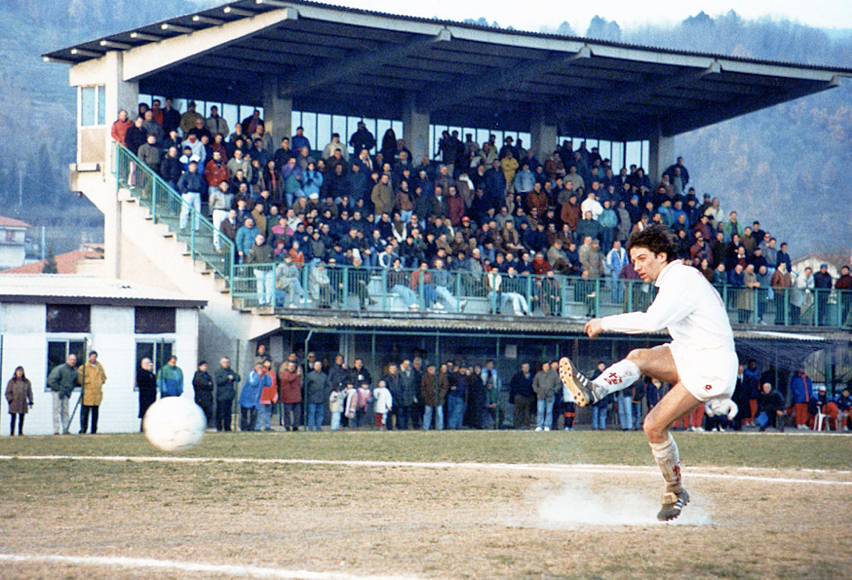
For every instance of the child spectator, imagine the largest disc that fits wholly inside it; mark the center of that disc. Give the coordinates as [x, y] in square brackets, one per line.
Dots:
[268, 396]
[336, 399]
[383, 405]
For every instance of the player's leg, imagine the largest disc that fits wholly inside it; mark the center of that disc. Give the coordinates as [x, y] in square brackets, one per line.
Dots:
[656, 363]
[677, 403]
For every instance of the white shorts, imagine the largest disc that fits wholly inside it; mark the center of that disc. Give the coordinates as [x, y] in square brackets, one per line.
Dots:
[706, 374]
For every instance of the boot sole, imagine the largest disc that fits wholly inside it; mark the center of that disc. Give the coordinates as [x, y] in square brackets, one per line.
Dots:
[676, 513]
[566, 375]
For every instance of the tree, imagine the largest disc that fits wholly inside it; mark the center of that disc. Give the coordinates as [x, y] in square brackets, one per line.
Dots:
[50, 265]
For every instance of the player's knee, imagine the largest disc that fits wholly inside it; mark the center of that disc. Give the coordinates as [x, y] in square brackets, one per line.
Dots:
[654, 431]
[639, 357]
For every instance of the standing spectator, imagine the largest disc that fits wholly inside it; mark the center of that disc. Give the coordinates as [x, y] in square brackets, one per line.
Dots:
[844, 288]
[171, 118]
[215, 124]
[433, 391]
[456, 394]
[190, 186]
[362, 139]
[91, 377]
[268, 396]
[802, 390]
[226, 380]
[170, 379]
[187, 120]
[19, 395]
[801, 296]
[521, 396]
[202, 384]
[215, 172]
[408, 391]
[336, 401]
[505, 412]
[624, 399]
[822, 289]
[146, 383]
[383, 404]
[637, 394]
[601, 408]
[750, 385]
[250, 397]
[290, 386]
[315, 387]
[120, 127]
[545, 390]
[62, 380]
[781, 282]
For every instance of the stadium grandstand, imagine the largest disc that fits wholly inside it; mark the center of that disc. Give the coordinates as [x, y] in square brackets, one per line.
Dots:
[334, 180]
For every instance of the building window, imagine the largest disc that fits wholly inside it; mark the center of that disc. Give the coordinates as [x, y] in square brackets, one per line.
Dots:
[69, 318]
[155, 320]
[58, 351]
[92, 106]
[158, 351]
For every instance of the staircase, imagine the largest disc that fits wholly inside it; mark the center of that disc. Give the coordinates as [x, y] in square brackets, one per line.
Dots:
[144, 244]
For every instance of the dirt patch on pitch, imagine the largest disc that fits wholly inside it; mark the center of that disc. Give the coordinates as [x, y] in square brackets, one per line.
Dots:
[428, 523]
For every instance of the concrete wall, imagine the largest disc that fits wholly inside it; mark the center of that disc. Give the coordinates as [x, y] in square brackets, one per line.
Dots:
[112, 335]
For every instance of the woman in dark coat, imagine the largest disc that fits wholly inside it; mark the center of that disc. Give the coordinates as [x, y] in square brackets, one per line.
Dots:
[146, 382]
[202, 382]
[19, 394]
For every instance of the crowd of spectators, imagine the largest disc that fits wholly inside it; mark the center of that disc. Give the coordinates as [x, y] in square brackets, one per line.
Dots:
[481, 208]
[417, 393]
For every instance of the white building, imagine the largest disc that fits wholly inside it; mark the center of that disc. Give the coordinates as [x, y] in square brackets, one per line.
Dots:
[13, 236]
[43, 318]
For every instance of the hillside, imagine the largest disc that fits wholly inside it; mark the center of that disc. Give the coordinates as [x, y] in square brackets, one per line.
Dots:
[785, 166]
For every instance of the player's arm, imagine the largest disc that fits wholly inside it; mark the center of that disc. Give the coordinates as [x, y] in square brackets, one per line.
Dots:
[670, 305]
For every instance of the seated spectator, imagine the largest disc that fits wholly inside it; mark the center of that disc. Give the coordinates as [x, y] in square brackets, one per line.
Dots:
[770, 404]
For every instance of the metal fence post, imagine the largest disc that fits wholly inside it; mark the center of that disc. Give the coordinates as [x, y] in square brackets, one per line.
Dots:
[629, 305]
[597, 297]
[154, 203]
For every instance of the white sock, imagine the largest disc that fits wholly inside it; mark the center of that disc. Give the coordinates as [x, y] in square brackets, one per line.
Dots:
[617, 377]
[668, 459]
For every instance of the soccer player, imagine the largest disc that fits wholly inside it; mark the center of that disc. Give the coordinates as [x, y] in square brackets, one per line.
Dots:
[700, 362]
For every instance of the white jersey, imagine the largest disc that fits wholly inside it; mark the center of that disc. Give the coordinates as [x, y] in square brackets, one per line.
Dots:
[695, 317]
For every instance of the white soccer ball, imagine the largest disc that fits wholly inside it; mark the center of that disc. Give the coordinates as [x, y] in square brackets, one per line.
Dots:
[174, 424]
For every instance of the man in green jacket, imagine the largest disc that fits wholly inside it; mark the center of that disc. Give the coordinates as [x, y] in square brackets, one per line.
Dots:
[62, 381]
[170, 379]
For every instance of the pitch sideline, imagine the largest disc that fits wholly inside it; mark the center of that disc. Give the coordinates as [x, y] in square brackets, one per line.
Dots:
[175, 565]
[579, 468]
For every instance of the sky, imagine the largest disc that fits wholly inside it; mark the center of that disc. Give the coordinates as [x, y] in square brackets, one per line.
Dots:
[535, 14]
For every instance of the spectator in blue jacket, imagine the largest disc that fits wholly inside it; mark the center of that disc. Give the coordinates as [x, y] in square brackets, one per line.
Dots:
[170, 379]
[802, 391]
[190, 186]
[250, 396]
[245, 238]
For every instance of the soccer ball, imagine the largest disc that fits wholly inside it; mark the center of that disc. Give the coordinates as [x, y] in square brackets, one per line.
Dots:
[174, 424]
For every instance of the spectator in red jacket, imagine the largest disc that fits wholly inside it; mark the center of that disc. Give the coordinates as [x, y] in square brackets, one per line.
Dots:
[120, 127]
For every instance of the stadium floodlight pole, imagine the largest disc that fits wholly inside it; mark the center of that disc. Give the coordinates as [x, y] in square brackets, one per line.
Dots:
[85, 354]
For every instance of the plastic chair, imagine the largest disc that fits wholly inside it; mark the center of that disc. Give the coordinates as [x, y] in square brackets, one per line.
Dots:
[820, 419]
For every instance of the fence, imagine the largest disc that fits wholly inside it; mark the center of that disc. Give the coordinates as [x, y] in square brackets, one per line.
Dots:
[392, 292]
[167, 206]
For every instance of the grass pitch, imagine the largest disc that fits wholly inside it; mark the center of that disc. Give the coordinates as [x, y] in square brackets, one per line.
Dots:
[764, 506]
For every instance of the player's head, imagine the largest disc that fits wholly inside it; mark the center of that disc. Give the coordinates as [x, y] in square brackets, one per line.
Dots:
[651, 250]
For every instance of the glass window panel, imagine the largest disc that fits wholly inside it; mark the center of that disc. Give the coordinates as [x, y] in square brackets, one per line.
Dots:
[154, 320]
[68, 318]
[231, 114]
[101, 105]
[87, 106]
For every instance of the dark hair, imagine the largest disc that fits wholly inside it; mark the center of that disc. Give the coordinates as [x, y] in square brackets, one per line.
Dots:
[23, 374]
[657, 238]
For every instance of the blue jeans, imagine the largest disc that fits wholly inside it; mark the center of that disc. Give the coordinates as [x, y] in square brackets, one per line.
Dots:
[316, 412]
[625, 410]
[406, 294]
[599, 417]
[191, 199]
[455, 410]
[265, 416]
[335, 420]
[637, 415]
[439, 417]
[544, 412]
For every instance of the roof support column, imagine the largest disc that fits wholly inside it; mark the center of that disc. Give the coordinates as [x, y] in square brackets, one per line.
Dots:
[544, 134]
[415, 127]
[660, 154]
[277, 110]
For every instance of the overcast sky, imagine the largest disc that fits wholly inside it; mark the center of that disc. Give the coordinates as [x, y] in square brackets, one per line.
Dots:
[535, 14]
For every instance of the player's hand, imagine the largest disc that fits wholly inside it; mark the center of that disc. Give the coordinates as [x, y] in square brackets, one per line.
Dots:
[593, 327]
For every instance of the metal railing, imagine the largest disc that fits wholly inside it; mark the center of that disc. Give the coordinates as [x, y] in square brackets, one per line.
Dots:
[167, 206]
[345, 288]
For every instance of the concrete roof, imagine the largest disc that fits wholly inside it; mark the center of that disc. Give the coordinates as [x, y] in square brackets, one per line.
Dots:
[68, 289]
[349, 61]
